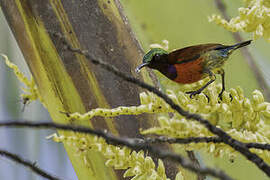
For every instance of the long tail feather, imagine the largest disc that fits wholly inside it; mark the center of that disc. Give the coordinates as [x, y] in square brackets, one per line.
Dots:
[241, 44]
[233, 47]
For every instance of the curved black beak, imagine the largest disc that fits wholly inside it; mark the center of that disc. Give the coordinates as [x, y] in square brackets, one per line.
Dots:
[138, 69]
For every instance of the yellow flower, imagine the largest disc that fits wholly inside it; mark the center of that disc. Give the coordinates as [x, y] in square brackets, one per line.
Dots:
[31, 91]
[254, 18]
[137, 164]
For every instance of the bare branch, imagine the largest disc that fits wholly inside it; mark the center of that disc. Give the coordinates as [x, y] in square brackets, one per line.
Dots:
[258, 146]
[27, 163]
[164, 139]
[213, 139]
[133, 143]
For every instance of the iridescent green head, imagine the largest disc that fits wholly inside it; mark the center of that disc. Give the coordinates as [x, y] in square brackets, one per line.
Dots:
[151, 57]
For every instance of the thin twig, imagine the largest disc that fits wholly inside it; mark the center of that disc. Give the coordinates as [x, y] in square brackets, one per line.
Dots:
[227, 139]
[246, 53]
[27, 163]
[170, 140]
[262, 146]
[133, 143]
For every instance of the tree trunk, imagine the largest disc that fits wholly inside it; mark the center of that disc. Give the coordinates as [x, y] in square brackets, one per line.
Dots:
[69, 82]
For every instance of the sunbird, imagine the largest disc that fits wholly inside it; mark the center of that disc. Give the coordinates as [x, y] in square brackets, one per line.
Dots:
[191, 64]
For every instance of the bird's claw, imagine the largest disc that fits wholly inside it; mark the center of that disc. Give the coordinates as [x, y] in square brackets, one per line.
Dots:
[193, 93]
[231, 97]
[220, 97]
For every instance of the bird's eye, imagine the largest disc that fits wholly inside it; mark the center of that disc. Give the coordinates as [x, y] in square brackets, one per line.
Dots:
[156, 57]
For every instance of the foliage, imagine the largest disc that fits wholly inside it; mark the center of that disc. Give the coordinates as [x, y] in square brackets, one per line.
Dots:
[244, 119]
[255, 18]
[30, 92]
[138, 165]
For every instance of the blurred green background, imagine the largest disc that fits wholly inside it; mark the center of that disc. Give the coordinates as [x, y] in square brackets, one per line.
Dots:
[184, 23]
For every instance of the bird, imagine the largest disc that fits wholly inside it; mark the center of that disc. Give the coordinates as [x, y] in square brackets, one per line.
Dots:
[191, 64]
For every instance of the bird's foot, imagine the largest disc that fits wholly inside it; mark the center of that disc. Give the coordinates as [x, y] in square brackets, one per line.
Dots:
[220, 97]
[231, 97]
[208, 98]
[193, 93]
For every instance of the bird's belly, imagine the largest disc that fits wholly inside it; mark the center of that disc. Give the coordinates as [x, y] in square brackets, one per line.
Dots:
[189, 72]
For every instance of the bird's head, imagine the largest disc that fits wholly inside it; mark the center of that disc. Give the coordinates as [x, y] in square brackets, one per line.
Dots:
[153, 58]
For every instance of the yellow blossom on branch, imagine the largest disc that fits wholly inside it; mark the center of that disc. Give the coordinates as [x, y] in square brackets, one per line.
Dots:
[246, 119]
[148, 105]
[31, 91]
[255, 18]
[137, 164]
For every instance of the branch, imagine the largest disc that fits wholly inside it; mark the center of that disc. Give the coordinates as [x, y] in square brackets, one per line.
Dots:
[29, 164]
[164, 139]
[141, 142]
[258, 146]
[133, 143]
[227, 139]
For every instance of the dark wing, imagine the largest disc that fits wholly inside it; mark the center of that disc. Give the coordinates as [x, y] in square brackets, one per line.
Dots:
[191, 53]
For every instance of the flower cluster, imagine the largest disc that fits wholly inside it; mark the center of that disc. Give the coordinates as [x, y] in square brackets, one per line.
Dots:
[246, 120]
[139, 166]
[149, 104]
[255, 18]
[30, 92]
[164, 45]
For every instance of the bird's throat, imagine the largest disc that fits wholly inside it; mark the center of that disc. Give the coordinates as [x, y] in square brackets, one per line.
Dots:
[168, 70]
